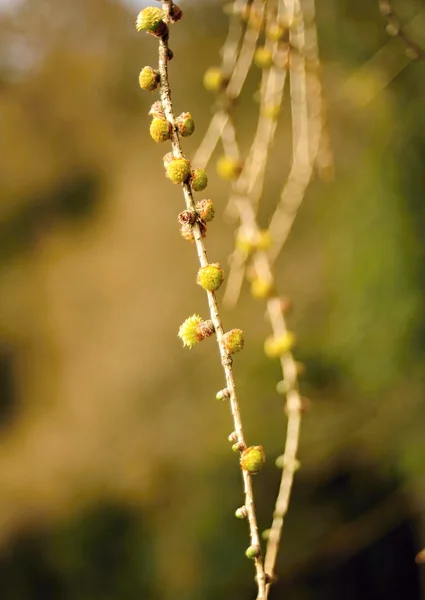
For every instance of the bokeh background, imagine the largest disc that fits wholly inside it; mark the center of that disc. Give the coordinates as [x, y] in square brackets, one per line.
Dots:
[116, 478]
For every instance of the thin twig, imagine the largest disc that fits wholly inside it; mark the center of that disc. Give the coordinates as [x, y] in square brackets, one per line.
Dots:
[232, 90]
[250, 183]
[212, 302]
[302, 160]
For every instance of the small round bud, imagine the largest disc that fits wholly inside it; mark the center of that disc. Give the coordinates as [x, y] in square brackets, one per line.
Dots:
[210, 277]
[271, 111]
[241, 513]
[282, 387]
[198, 180]
[252, 552]
[265, 534]
[263, 58]
[223, 394]
[178, 170]
[233, 437]
[282, 462]
[274, 347]
[185, 124]
[275, 32]
[187, 217]
[150, 19]
[253, 459]
[194, 330]
[263, 240]
[261, 288]
[244, 242]
[233, 341]
[228, 168]
[214, 80]
[238, 447]
[205, 210]
[148, 79]
[160, 130]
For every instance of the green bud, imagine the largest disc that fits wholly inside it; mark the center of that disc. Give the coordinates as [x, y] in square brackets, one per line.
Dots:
[274, 347]
[198, 180]
[263, 58]
[205, 210]
[150, 19]
[178, 170]
[228, 168]
[252, 552]
[148, 79]
[261, 288]
[223, 394]
[253, 459]
[241, 513]
[214, 80]
[265, 534]
[233, 341]
[160, 130]
[210, 277]
[185, 124]
[194, 330]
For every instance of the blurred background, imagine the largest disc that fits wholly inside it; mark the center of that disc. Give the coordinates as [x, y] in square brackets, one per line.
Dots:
[116, 478]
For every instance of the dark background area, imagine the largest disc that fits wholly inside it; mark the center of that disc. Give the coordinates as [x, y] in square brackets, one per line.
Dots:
[116, 478]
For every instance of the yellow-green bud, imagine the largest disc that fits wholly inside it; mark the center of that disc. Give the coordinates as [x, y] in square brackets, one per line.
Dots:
[160, 130]
[198, 180]
[194, 330]
[282, 462]
[228, 168]
[150, 19]
[275, 32]
[280, 345]
[185, 124]
[261, 288]
[178, 170]
[233, 341]
[265, 534]
[271, 111]
[241, 513]
[210, 277]
[238, 447]
[244, 242]
[214, 80]
[263, 58]
[253, 459]
[252, 552]
[223, 394]
[263, 240]
[148, 79]
[205, 210]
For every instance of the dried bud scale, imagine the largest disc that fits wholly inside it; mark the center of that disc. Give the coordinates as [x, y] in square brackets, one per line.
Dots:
[157, 110]
[187, 217]
[205, 210]
[185, 124]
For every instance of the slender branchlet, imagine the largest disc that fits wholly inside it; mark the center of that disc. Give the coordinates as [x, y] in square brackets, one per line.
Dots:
[231, 341]
[395, 28]
[234, 70]
[250, 184]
